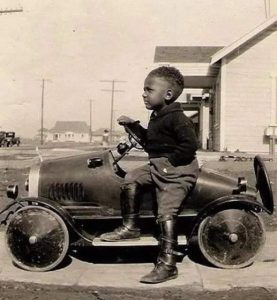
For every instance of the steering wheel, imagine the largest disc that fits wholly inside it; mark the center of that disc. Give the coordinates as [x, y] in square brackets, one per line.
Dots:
[133, 138]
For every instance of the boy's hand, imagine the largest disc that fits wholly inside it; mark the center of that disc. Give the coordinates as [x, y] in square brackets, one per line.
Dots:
[123, 120]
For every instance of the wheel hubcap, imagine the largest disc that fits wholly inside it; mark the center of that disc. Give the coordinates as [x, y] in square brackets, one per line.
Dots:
[33, 239]
[233, 237]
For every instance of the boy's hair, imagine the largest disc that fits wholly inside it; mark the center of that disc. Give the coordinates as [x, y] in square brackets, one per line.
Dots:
[173, 76]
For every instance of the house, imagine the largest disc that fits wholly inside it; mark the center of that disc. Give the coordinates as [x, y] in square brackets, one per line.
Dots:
[97, 135]
[78, 131]
[239, 88]
[69, 131]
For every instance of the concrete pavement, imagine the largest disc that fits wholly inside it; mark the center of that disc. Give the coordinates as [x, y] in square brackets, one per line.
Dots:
[263, 273]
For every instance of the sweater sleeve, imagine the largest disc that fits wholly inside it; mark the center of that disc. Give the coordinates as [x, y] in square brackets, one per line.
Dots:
[139, 131]
[186, 140]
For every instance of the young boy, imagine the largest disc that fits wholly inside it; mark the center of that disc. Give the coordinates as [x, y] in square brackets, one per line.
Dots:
[171, 144]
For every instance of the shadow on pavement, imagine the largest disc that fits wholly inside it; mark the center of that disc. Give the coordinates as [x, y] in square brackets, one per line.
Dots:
[108, 255]
[121, 255]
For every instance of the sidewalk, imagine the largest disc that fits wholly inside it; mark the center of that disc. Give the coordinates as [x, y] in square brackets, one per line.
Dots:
[263, 273]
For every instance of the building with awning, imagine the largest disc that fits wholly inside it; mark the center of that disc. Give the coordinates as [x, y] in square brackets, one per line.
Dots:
[238, 88]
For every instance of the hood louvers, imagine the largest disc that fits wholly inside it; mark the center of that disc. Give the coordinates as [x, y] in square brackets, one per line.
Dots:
[67, 191]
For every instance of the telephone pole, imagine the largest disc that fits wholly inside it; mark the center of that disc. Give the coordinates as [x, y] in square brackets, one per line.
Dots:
[267, 8]
[90, 120]
[112, 102]
[42, 108]
[42, 111]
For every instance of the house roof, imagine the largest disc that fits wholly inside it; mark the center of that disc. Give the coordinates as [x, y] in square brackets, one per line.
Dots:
[185, 54]
[244, 39]
[72, 126]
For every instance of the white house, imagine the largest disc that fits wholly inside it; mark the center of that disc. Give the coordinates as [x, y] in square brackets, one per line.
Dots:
[69, 131]
[241, 81]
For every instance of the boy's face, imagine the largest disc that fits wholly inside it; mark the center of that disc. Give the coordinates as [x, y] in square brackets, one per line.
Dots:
[156, 92]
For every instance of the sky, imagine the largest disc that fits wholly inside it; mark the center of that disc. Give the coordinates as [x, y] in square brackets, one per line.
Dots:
[76, 44]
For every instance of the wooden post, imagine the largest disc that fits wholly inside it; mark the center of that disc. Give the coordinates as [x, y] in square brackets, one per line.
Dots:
[273, 145]
[41, 117]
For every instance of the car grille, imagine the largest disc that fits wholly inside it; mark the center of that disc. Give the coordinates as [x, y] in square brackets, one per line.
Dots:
[67, 191]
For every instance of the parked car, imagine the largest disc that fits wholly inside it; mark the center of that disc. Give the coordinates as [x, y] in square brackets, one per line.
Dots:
[10, 139]
[73, 200]
[2, 138]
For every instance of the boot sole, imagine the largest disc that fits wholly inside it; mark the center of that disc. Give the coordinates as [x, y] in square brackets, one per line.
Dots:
[154, 282]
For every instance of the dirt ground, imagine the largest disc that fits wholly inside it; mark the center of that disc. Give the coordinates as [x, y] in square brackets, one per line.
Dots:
[14, 290]
[33, 291]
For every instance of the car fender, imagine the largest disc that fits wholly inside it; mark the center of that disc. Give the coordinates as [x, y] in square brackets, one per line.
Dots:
[56, 207]
[232, 201]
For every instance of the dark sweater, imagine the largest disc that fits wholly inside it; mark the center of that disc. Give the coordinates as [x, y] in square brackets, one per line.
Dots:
[171, 134]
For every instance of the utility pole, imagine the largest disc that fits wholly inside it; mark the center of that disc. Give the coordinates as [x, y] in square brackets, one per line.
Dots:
[90, 120]
[112, 102]
[267, 8]
[42, 108]
[42, 111]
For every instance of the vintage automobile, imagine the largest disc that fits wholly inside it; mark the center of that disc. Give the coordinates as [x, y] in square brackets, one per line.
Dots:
[2, 138]
[10, 139]
[72, 200]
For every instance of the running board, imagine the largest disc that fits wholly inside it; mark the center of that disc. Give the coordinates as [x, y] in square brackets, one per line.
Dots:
[143, 241]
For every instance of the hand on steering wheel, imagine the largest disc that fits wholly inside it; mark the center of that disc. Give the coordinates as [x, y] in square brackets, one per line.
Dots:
[124, 120]
[133, 138]
[130, 126]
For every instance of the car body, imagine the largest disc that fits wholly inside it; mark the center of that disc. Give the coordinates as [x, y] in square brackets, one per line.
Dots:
[2, 138]
[10, 139]
[72, 200]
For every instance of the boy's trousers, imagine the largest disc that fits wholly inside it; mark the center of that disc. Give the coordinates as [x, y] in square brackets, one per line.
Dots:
[172, 184]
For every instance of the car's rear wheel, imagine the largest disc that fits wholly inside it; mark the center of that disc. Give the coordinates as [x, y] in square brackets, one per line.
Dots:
[231, 238]
[37, 238]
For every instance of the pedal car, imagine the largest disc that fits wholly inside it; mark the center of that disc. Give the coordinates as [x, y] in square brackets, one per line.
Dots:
[73, 200]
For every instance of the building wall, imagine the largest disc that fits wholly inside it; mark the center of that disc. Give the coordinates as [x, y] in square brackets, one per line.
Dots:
[67, 137]
[248, 94]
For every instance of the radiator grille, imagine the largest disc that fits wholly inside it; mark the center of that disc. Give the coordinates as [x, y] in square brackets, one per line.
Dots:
[67, 191]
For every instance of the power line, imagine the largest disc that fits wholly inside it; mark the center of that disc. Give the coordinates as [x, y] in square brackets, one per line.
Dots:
[10, 11]
[112, 101]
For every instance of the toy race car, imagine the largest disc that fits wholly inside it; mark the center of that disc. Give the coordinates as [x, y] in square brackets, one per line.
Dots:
[73, 200]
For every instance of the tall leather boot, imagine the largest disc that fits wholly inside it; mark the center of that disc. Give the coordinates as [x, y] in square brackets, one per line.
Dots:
[130, 214]
[165, 268]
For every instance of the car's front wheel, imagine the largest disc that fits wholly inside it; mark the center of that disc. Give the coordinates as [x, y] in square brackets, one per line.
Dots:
[37, 238]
